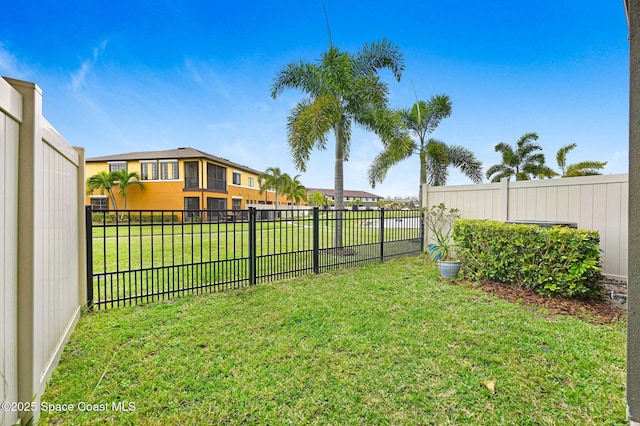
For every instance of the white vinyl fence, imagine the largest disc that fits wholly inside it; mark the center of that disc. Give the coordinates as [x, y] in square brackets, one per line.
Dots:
[597, 203]
[42, 254]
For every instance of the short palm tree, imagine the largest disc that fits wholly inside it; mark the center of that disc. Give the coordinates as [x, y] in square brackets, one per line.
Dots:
[318, 199]
[126, 180]
[355, 202]
[435, 156]
[273, 179]
[341, 89]
[525, 162]
[294, 190]
[103, 182]
[583, 168]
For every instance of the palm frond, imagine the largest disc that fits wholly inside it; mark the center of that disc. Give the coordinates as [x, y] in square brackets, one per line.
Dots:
[303, 76]
[498, 171]
[465, 160]
[585, 168]
[561, 156]
[503, 148]
[380, 55]
[438, 108]
[396, 151]
[437, 172]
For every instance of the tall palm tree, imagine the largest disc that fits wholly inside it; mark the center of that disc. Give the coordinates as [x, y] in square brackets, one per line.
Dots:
[435, 156]
[295, 190]
[525, 162]
[583, 168]
[126, 180]
[104, 182]
[274, 179]
[342, 89]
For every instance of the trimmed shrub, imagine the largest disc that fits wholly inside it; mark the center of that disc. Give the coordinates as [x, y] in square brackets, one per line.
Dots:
[135, 217]
[555, 261]
[103, 217]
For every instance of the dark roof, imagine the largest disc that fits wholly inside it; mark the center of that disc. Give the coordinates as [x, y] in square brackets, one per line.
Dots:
[178, 153]
[345, 193]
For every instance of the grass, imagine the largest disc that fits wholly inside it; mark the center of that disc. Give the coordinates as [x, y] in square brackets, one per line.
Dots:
[381, 344]
[145, 245]
[144, 259]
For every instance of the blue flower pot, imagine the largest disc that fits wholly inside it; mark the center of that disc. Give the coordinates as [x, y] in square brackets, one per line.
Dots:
[449, 270]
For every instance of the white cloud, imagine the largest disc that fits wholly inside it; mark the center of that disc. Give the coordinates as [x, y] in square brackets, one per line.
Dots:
[211, 80]
[9, 65]
[618, 162]
[79, 77]
[263, 107]
[193, 72]
[621, 154]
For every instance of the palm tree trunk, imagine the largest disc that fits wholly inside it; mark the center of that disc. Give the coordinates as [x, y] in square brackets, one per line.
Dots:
[339, 185]
[113, 199]
[423, 173]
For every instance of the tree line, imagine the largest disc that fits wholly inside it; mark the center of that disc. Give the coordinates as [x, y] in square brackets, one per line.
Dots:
[343, 90]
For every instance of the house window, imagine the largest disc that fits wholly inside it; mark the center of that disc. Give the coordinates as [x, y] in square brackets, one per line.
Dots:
[191, 179]
[117, 165]
[216, 209]
[192, 209]
[150, 170]
[144, 171]
[154, 171]
[164, 171]
[236, 178]
[99, 203]
[216, 203]
[251, 182]
[216, 177]
[236, 204]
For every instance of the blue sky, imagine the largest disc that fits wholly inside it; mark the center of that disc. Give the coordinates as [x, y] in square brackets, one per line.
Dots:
[124, 76]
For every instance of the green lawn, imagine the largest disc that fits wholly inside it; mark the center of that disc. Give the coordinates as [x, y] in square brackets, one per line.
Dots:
[381, 344]
[156, 260]
[145, 245]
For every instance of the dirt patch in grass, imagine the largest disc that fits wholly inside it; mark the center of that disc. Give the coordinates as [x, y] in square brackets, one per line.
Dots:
[609, 306]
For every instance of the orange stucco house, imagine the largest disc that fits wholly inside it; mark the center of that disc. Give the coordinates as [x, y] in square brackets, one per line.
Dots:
[181, 179]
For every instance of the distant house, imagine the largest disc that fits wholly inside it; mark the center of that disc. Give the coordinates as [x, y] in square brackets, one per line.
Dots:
[367, 199]
[182, 179]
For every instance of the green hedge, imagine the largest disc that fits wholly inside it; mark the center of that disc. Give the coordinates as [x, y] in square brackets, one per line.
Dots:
[135, 217]
[555, 261]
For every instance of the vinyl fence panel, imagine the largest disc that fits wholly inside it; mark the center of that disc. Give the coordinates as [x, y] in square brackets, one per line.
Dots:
[41, 219]
[597, 203]
[10, 117]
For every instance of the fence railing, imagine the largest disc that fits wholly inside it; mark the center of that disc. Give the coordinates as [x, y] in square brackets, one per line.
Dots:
[139, 256]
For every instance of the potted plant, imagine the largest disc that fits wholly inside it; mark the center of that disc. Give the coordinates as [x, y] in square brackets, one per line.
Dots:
[440, 220]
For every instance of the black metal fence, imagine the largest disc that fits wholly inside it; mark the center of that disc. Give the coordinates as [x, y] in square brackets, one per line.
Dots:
[139, 256]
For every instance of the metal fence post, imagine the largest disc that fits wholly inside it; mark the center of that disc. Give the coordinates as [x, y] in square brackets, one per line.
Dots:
[88, 221]
[422, 231]
[382, 235]
[252, 246]
[316, 240]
